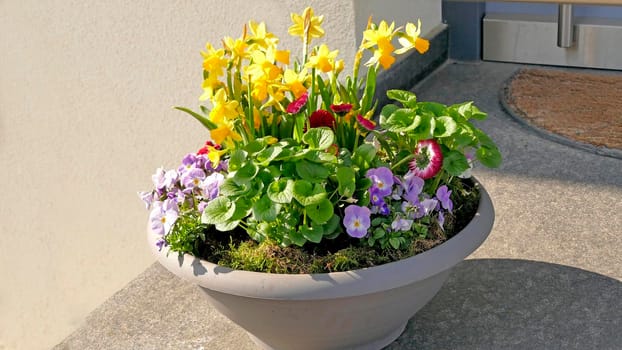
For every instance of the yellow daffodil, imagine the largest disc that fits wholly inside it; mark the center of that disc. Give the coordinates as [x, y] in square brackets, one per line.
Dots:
[260, 36]
[222, 109]
[214, 61]
[282, 56]
[410, 39]
[210, 85]
[296, 81]
[306, 26]
[323, 59]
[383, 54]
[237, 48]
[224, 134]
[383, 32]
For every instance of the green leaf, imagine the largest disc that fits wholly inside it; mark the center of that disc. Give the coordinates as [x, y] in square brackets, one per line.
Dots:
[319, 138]
[320, 157]
[386, 111]
[269, 154]
[230, 188]
[255, 146]
[201, 118]
[246, 173]
[455, 163]
[402, 120]
[332, 226]
[364, 155]
[437, 109]
[238, 157]
[321, 211]
[218, 211]
[346, 181]
[265, 209]
[407, 98]
[281, 191]
[227, 226]
[445, 126]
[394, 242]
[313, 233]
[489, 155]
[307, 194]
[297, 238]
[311, 171]
[370, 89]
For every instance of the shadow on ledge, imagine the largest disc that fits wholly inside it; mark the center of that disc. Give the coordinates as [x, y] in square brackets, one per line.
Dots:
[519, 304]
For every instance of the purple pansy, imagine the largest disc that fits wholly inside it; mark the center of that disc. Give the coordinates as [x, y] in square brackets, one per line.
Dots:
[443, 195]
[429, 205]
[375, 197]
[163, 216]
[401, 224]
[357, 220]
[382, 179]
[211, 184]
[147, 197]
[192, 178]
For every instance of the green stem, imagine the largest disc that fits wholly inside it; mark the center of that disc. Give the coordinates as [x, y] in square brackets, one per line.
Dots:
[402, 161]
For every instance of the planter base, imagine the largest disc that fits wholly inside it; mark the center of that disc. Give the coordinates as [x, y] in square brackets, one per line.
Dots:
[375, 345]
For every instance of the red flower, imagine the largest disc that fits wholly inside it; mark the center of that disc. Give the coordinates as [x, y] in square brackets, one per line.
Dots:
[205, 149]
[322, 118]
[366, 123]
[297, 105]
[428, 159]
[342, 108]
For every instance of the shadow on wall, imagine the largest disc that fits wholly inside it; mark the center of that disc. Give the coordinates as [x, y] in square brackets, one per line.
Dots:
[519, 304]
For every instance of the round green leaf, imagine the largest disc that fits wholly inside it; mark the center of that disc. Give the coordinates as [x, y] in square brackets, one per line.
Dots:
[401, 120]
[307, 194]
[319, 138]
[313, 233]
[310, 171]
[218, 211]
[445, 126]
[455, 163]
[281, 191]
[321, 211]
[265, 209]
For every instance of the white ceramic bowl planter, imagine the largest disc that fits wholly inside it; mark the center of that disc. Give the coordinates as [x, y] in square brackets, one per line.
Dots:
[360, 309]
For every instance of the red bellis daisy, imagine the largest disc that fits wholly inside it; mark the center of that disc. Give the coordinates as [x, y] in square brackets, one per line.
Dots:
[322, 118]
[428, 159]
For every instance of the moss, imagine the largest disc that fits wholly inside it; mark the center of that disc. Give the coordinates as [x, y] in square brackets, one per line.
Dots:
[235, 250]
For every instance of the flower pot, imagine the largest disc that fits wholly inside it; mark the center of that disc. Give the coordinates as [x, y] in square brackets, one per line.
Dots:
[360, 309]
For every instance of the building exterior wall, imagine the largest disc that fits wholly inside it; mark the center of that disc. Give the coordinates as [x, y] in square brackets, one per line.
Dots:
[86, 90]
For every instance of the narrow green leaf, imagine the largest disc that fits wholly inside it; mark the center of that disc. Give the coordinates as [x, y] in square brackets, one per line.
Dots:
[201, 118]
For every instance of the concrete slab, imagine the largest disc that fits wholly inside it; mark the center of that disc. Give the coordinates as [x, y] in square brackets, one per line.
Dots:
[548, 277]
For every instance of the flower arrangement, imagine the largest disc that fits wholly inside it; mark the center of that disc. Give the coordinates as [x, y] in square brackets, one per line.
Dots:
[299, 167]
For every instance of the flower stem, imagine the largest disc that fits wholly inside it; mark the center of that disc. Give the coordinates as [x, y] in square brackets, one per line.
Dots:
[402, 161]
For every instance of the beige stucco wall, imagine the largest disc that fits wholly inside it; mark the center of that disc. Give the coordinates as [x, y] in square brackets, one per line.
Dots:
[86, 89]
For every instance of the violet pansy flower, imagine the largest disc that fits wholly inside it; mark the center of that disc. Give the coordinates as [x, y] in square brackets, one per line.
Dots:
[357, 220]
[443, 194]
[382, 179]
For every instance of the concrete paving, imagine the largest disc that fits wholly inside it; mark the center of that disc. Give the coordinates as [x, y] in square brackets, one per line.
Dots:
[548, 277]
